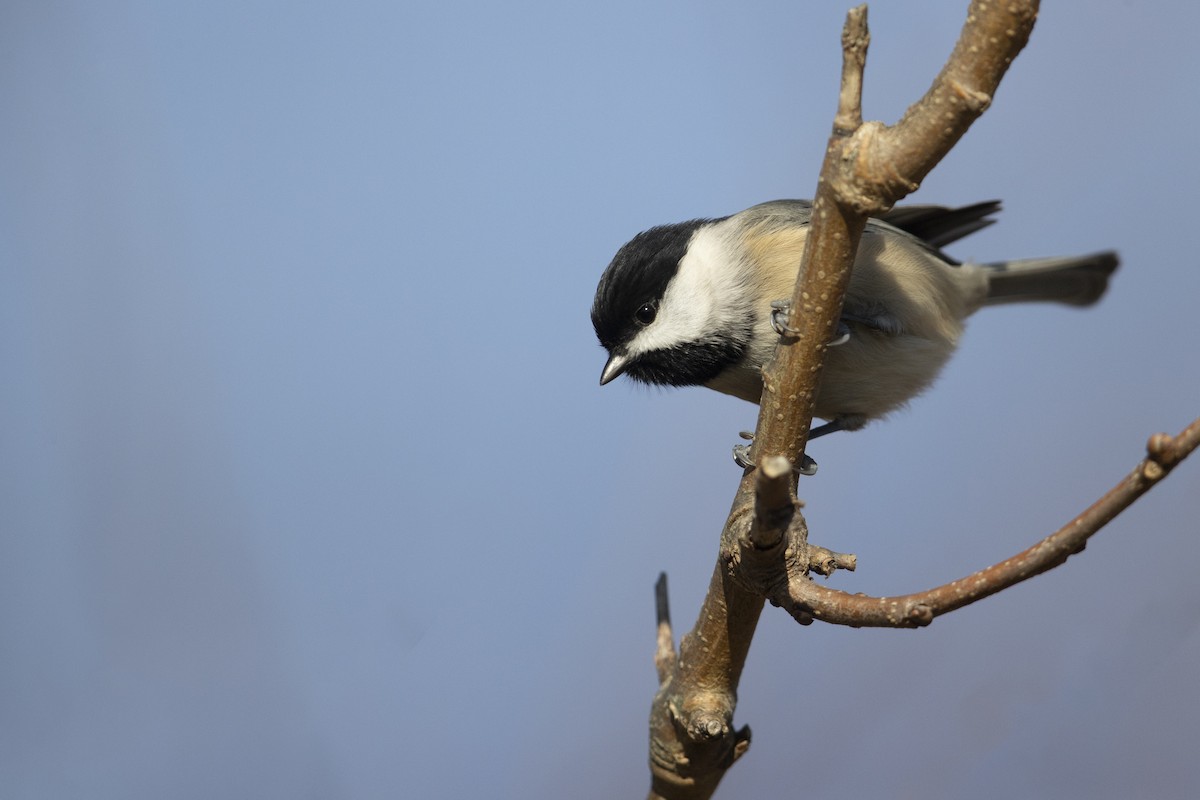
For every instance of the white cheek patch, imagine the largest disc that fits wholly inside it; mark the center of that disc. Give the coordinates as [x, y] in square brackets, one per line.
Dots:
[705, 297]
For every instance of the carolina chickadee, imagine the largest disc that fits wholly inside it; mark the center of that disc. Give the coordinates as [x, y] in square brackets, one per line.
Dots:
[690, 304]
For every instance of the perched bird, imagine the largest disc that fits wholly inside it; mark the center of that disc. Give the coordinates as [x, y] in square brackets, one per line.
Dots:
[690, 304]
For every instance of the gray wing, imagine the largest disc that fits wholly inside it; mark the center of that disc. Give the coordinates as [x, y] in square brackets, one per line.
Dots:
[939, 226]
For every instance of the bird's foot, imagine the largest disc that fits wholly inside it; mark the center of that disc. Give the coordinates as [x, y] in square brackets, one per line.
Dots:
[741, 456]
[780, 313]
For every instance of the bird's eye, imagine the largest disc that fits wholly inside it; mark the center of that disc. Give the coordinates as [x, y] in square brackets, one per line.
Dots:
[646, 314]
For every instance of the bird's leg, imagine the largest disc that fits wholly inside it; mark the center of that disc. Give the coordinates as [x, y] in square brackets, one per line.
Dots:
[846, 422]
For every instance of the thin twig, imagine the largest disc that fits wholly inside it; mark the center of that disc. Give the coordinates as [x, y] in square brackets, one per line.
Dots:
[808, 600]
[664, 654]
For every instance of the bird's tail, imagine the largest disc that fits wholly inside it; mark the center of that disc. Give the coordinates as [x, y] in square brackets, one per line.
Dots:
[1073, 281]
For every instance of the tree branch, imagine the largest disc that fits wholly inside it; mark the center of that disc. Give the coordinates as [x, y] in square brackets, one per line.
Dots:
[791, 380]
[764, 546]
[807, 600]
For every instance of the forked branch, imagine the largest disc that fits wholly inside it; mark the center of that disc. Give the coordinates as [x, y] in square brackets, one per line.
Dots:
[765, 552]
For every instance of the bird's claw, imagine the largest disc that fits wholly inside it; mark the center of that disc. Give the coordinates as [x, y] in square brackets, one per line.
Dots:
[843, 331]
[781, 311]
[741, 456]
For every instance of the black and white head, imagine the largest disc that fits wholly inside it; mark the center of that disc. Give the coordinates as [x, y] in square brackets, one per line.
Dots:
[673, 308]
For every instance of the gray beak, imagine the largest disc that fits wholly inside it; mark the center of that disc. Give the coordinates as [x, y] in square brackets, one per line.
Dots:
[615, 366]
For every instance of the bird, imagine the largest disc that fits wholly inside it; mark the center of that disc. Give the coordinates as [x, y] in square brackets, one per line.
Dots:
[703, 302]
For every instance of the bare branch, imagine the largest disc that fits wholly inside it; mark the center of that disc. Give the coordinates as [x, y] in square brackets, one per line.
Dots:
[806, 599]
[992, 36]
[791, 380]
[855, 40]
[692, 740]
[764, 547]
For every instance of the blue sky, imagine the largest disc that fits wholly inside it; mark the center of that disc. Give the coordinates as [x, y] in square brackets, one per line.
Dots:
[308, 487]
